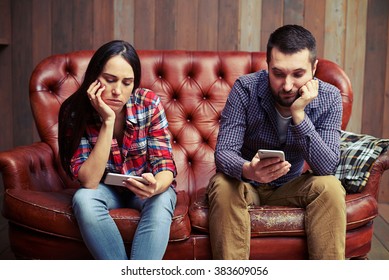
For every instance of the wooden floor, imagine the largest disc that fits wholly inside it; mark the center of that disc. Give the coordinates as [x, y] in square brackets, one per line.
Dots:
[380, 244]
[379, 250]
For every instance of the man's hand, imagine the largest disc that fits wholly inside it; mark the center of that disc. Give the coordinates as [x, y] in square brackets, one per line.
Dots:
[308, 92]
[265, 170]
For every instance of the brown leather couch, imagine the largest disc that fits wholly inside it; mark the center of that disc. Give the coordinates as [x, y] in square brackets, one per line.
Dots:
[193, 87]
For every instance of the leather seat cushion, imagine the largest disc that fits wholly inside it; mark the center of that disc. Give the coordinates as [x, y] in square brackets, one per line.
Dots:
[285, 221]
[51, 212]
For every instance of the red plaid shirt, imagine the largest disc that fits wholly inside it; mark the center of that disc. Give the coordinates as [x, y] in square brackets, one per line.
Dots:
[146, 142]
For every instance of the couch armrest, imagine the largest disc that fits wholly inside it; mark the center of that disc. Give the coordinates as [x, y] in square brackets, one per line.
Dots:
[379, 167]
[30, 167]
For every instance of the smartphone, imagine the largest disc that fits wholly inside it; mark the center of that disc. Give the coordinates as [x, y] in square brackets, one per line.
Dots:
[117, 179]
[271, 154]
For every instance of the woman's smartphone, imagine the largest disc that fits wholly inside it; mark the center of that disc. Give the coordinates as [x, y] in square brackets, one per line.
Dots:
[117, 179]
[271, 154]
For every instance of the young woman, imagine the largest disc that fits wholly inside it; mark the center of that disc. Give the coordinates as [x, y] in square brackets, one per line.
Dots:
[111, 125]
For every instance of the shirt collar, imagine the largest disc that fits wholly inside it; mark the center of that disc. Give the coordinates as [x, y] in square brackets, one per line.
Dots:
[131, 110]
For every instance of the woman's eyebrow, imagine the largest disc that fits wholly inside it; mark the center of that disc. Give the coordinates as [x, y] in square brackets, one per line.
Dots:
[113, 76]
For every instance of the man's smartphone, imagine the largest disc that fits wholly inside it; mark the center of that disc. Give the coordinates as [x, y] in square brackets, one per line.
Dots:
[271, 154]
[117, 179]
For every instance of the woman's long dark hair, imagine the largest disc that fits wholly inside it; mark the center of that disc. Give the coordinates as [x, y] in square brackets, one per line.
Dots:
[77, 109]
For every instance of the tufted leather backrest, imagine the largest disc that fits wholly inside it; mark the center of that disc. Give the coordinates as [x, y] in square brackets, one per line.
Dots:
[193, 86]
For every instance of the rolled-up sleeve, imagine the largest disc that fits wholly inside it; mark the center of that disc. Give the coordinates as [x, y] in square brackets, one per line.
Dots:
[80, 156]
[230, 140]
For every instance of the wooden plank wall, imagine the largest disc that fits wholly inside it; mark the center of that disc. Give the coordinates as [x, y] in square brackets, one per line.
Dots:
[353, 33]
[6, 125]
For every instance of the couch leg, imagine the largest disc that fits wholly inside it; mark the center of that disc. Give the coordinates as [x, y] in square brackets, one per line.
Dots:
[363, 257]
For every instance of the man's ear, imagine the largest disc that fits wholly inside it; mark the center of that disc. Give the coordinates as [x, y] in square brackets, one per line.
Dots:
[314, 68]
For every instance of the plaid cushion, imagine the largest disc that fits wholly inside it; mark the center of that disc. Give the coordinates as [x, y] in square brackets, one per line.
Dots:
[358, 153]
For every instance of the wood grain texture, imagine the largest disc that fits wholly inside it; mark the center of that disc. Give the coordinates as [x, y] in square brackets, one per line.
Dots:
[335, 31]
[186, 28]
[42, 40]
[272, 18]
[294, 12]
[6, 106]
[354, 56]
[381, 228]
[62, 26]
[228, 25]
[22, 66]
[165, 23]
[207, 26]
[124, 20]
[375, 67]
[249, 25]
[83, 24]
[103, 22]
[314, 21]
[383, 195]
[385, 123]
[144, 25]
[5, 22]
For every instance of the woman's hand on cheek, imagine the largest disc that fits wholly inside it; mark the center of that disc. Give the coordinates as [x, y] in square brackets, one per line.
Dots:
[94, 92]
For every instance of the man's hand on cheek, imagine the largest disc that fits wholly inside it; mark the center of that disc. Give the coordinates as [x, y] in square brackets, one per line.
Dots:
[307, 92]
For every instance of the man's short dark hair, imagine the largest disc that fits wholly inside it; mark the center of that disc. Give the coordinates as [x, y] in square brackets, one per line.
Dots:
[291, 39]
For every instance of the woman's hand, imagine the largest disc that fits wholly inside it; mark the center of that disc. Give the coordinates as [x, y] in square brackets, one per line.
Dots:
[156, 185]
[94, 92]
[92, 170]
[140, 189]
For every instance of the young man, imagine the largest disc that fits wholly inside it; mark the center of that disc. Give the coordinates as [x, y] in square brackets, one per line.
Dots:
[285, 108]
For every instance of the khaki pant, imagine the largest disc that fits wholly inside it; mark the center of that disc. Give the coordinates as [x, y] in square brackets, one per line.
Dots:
[323, 197]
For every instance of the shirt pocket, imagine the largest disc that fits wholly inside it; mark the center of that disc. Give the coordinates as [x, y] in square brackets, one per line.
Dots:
[137, 148]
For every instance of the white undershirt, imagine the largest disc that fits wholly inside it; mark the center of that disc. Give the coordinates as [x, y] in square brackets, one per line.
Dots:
[282, 126]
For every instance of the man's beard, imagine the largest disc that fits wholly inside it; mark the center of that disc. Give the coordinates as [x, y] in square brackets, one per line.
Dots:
[284, 102]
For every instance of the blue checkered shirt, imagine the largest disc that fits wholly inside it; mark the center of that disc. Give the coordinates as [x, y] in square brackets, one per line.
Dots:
[249, 122]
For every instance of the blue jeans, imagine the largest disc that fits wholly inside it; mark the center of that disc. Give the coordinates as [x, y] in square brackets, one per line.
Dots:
[100, 233]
